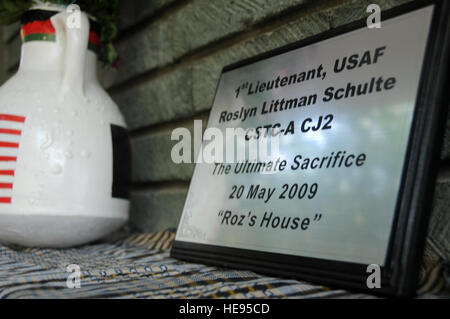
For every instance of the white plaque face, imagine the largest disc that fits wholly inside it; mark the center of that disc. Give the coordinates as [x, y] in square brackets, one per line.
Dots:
[343, 108]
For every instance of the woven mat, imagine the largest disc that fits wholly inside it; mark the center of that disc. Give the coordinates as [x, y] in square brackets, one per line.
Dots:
[139, 266]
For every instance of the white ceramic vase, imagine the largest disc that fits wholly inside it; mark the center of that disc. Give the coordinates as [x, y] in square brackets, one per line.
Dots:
[64, 151]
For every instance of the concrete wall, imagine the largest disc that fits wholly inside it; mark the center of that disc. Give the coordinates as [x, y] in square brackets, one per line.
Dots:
[2, 58]
[172, 52]
[10, 47]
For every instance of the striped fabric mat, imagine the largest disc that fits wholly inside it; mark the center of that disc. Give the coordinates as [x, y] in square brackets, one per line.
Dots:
[139, 266]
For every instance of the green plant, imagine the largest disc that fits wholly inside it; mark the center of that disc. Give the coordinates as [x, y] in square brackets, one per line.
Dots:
[104, 11]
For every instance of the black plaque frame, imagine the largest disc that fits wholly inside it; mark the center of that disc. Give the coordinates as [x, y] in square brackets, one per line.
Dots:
[399, 275]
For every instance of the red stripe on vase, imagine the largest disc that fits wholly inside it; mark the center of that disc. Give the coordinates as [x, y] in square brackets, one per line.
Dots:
[8, 158]
[8, 172]
[10, 131]
[9, 144]
[6, 185]
[12, 118]
[44, 26]
[5, 200]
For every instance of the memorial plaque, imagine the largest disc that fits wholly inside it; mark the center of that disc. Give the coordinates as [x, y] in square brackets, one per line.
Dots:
[354, 116]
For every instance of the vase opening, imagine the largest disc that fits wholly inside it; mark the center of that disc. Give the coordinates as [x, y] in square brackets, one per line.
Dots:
[37, 26]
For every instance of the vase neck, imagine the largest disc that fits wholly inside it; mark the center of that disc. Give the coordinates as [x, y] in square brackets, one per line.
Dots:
[47, 57]
[41, 56]
[44, 49]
